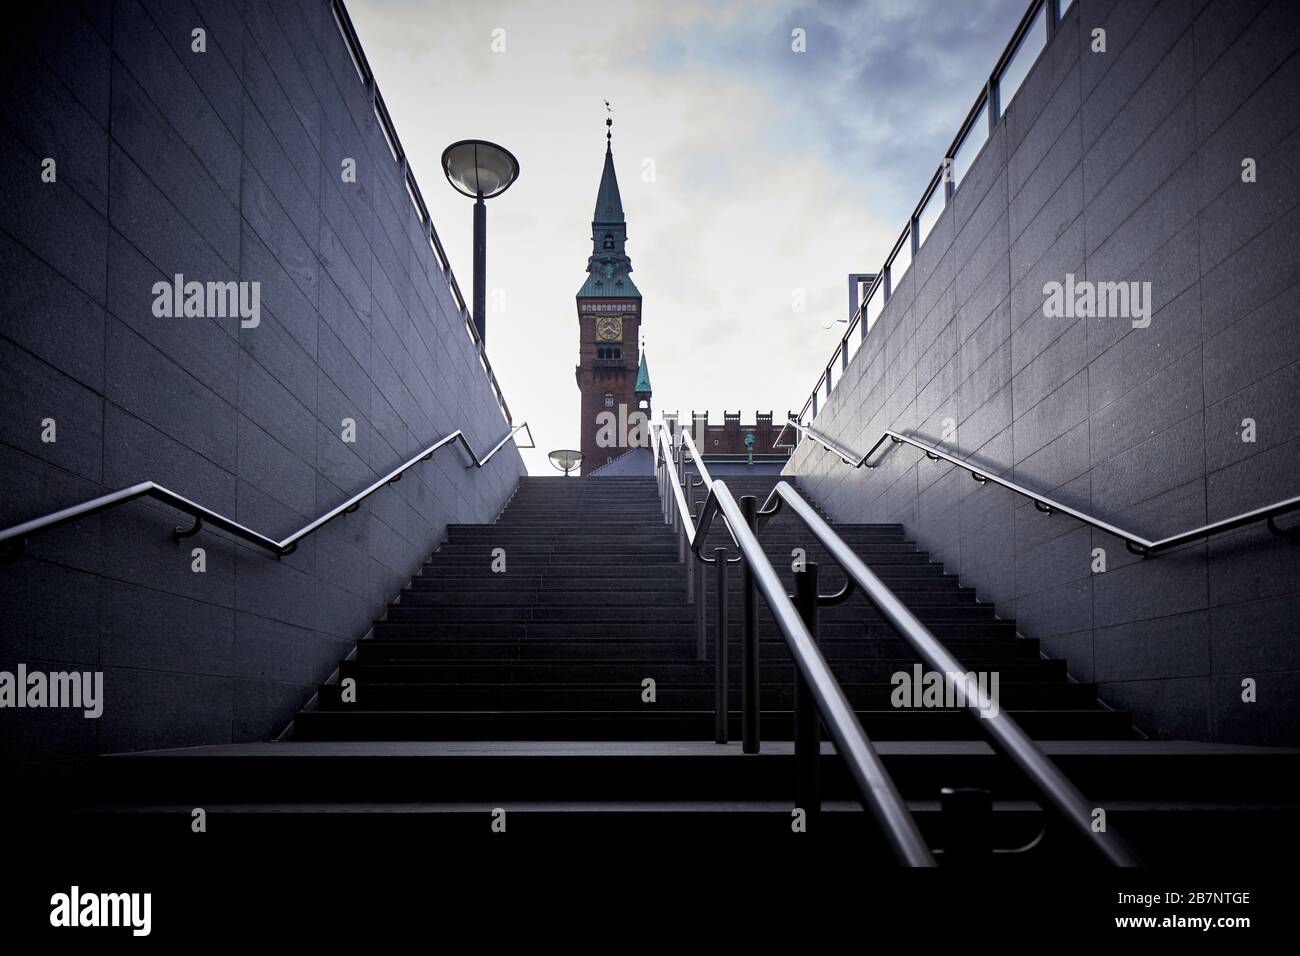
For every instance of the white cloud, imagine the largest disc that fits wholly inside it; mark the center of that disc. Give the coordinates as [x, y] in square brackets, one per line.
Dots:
[775, 170]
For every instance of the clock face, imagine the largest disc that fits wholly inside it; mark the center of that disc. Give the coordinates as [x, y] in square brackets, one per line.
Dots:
[609, 328]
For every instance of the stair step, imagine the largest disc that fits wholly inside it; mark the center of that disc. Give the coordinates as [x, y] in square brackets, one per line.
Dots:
[633, 623]
[1061, 724]
[631, 548]
[929, 590]
[607, 649]
[670, 697]
[741, 831]
[576, 591]
[584, 671]
[440, 568]
[466, 770]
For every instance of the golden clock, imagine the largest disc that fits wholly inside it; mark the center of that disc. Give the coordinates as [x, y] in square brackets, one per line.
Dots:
[609, 328]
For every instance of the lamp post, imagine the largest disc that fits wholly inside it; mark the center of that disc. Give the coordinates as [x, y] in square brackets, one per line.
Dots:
[479, 170]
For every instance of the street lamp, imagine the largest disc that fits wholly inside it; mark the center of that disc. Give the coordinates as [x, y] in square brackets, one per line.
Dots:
[479, 170]
[566, 460]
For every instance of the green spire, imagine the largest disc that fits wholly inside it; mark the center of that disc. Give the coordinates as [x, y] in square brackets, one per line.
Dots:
[609, 204]
[609, 265]
[643, 377]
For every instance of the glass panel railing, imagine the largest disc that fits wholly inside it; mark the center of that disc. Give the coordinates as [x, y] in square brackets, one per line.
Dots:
[898, 265]
[930, 212]
[1017, 68]
[875, 303]
[971, 144]
[853, 341]
[833, 372]
[1016, 62]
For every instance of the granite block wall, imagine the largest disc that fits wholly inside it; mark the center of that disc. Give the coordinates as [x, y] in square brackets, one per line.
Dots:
[222, 165]
[1122, 166]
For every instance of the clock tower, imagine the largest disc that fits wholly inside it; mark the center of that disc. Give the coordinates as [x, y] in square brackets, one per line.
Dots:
[611, 373]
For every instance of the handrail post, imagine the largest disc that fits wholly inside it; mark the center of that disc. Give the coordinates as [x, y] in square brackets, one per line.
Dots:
[807, 725]
[680, 459]
[688, 559]
[749, 688]
[721, 709]
[702, 591]
[663, 489]
[671, 469]
[701, 585]
[701, 610]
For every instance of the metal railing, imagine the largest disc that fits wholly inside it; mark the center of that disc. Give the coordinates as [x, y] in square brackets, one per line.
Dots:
[380, 109]
[817, 693]
[981, 120]
[13, 539]
[1135, 543]
[818, 686]
[1002, 730]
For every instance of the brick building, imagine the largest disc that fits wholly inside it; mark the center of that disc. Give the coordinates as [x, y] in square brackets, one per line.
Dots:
[731, 442]
[612, 374]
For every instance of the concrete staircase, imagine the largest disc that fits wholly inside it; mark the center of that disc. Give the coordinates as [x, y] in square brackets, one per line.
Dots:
[521, 690]
[592, 604]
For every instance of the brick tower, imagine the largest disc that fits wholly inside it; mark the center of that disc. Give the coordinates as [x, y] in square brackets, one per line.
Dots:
[609, 323]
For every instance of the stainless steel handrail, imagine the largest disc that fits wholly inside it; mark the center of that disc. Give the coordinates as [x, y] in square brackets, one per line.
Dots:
[877, 791]
[670, 469]
[660, 451]
[19, 533]
[1134, 542]
[1005, 734]
[677, 458]
[875, 786]
[706, 480]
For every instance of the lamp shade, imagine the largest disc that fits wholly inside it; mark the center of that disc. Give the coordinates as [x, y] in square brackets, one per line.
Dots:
[566, 459]
[479, 169]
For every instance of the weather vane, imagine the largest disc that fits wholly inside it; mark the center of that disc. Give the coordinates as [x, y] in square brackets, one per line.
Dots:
[609, 121]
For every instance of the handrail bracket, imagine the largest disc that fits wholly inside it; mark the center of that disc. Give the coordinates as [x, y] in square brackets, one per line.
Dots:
[181, 534]
[1286, 534]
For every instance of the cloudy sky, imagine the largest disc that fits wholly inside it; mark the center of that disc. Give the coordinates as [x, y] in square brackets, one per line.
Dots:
[750, 173]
